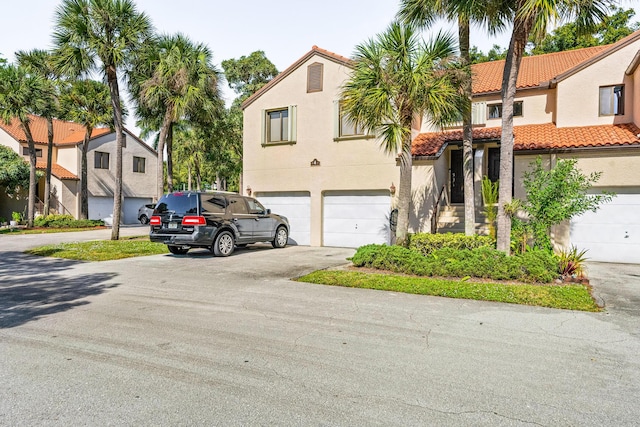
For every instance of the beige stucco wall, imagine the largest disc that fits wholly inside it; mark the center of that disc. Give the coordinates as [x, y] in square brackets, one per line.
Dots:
[101, 181]
[69, 158]
[358, 164]
[636, 96]
[7, 140]
[538, 106]
[578, 95]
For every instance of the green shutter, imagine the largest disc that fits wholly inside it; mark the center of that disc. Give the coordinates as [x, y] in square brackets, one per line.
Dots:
[263, 126]
[292, 123]
[336, 119]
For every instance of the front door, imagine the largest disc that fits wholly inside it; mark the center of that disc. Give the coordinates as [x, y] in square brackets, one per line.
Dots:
[457, 177]
[493, 164]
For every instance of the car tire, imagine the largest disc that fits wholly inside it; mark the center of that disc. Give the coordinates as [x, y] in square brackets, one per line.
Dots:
[282, 236]
[177, 250]
[223, 244]
[143, 219]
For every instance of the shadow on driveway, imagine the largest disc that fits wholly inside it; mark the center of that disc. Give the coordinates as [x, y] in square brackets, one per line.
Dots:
[32, 287]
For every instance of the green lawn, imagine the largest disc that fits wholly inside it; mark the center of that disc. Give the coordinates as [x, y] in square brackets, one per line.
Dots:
[102, 250]
[570, 297]
[45, 230]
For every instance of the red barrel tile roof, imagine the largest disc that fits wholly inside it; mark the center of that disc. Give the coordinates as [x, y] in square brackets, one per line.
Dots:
[64, 133]
[56, 170]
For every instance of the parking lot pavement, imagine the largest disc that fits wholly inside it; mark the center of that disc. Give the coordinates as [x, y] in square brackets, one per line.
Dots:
[197, 340]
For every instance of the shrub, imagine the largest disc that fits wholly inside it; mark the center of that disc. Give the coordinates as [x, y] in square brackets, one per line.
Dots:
[571, 262]
[65, 221]
[481, 262]
[425, 243]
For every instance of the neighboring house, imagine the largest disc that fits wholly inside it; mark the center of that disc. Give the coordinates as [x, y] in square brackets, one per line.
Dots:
[138, 169]
[581, 104]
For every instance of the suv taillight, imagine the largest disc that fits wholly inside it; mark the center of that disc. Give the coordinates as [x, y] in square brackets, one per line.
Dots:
[194, 220]
[155, 220]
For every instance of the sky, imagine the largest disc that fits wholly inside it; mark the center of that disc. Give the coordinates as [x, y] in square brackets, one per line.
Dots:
[233, 29]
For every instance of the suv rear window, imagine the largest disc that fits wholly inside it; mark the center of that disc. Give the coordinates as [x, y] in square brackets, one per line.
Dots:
[181, 203]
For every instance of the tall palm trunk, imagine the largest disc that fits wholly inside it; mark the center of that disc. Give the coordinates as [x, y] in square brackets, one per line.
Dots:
[170, 158]
[47, 179]
[404, 193]
[112, 81]
[467, 131]
[521, 30]
[162, 139]
[31, 203]
[84, 184]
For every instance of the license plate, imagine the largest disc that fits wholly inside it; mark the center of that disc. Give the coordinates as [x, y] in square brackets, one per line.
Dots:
[172, 225]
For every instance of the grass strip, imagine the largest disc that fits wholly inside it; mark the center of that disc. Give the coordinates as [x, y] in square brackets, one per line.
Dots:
[569, 297]
[46, 230]
[101, 250]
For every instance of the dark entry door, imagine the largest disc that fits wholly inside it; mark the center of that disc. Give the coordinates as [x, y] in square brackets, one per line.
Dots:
[457, 177]
[493, 167]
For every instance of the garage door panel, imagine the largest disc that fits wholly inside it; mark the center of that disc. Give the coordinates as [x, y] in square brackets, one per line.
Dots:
[100, 207]
[353, 220]
[297, 208]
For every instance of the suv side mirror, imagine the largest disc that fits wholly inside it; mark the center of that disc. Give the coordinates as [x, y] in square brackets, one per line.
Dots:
[268, 211]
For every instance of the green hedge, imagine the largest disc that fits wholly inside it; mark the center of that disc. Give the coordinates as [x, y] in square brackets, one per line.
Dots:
[483, 262]
[65, 221]
[426, 243]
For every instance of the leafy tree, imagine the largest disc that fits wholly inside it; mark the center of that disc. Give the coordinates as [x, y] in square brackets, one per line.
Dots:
[101, 35]
[172, 80]
[248, 73]
[530, 18]
[3, 61]
[557, 195]
[568, 36]
[21, 95]
[495, 53]
[424, 13]
[88, 103]
[14, 170]
[396, 78]
[42, 62]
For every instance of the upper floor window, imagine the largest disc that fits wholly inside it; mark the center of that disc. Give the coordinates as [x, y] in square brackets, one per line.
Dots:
[314, 77]
[138, 164]
[25, 151]
[279, 125]
[101, 160]
[612, 100]
[346, 126]
[494, 111]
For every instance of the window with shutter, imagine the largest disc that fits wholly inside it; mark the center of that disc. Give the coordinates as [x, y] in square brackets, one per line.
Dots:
[314, 77]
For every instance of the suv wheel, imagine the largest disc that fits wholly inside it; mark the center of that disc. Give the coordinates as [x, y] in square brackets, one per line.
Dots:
[282, 236]
[177, 250]
[224, 243]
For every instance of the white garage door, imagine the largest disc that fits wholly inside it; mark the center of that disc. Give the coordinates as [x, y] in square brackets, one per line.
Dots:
[100, 207]
[296, 206]
[612, 234]
[130, 208]
[353, 219]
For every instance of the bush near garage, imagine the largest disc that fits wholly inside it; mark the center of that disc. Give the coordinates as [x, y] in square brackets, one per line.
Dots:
[65, 221]
[426, 243]
[483, 262]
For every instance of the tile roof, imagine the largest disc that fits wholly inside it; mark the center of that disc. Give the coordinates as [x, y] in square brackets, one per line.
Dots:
[537, 137]
[487, 76]
[57, 171]
[64, 133]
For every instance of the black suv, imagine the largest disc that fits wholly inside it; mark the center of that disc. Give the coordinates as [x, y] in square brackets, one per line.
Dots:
[215, 220]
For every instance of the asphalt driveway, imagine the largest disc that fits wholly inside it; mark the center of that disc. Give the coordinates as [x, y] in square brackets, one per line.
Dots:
[196, 340]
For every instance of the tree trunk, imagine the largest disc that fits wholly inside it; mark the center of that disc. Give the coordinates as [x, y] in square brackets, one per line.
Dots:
[47, 178]
[188, 176]
[112, 80]
[33, 180]
[404, 194]
[521, 30]
[170, 158]
[467, 132]
[84, 184]
[162, 139]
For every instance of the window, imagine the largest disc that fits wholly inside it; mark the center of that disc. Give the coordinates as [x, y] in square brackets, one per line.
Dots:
[255, 207]
[138, 164]
[314, 77]
[494, 111]
[238, 206]
[101, 160]
[279, 125]
[348, 127]
[214, 204]
[612, 100]
[25, 151]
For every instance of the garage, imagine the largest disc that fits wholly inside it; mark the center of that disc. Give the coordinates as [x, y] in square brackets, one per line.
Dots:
[131, 206]
[612, 233]
[355, 218]
[102, 207]
[296, 206]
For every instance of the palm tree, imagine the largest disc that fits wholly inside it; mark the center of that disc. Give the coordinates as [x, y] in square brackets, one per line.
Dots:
[23, 94]
[423, 13]
[531, 18]
[42, 62]
[88, 103]
[102, 35]
[396, 79]
[174, 79]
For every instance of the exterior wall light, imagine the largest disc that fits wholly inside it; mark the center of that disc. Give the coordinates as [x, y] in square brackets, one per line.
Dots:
[392, 189]
[248, 190]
